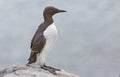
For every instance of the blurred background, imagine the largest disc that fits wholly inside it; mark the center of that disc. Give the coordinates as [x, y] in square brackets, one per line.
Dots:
[89, 34]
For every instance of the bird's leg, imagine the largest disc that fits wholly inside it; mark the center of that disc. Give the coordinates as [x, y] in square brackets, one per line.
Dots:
[52, 68]
[48, 69]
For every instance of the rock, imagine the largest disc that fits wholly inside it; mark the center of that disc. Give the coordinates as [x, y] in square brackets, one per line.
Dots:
[27, 71]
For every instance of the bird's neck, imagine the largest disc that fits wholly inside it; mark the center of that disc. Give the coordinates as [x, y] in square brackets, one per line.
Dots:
[48, 19]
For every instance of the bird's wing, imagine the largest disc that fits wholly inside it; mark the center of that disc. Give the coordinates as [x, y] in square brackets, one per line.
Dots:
[37, 44]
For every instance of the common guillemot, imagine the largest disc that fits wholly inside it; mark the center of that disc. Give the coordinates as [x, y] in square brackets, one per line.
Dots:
[44, 39]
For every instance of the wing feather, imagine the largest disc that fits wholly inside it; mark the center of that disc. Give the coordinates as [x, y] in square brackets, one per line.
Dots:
[37, 44]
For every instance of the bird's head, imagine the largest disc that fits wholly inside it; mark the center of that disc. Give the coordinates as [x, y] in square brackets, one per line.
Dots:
[50, 11]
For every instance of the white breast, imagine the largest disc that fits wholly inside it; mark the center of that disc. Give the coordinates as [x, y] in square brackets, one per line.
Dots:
[50, 34]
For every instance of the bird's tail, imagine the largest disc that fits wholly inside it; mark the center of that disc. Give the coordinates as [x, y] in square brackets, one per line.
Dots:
[32, 58]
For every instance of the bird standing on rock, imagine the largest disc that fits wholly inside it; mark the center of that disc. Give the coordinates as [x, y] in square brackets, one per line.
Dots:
[44, 39]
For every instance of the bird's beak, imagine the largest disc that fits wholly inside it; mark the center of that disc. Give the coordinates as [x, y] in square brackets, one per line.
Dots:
[62, 11]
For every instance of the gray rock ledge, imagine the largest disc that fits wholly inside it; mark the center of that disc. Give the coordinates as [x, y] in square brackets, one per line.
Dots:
[27, 71]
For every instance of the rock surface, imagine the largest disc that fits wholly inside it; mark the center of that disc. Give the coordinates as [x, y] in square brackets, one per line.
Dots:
[27, 71]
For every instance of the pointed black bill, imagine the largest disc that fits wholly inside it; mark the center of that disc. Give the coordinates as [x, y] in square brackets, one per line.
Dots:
[62, 11]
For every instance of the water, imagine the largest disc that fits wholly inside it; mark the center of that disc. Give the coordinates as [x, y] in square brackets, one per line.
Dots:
[88, 42]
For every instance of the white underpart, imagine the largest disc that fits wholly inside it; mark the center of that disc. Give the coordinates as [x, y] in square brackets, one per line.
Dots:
[50, 34]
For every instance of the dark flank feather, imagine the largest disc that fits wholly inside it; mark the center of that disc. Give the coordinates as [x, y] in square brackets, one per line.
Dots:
[37, 44]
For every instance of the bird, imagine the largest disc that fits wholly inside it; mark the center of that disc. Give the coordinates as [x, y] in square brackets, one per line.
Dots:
[44, 40]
